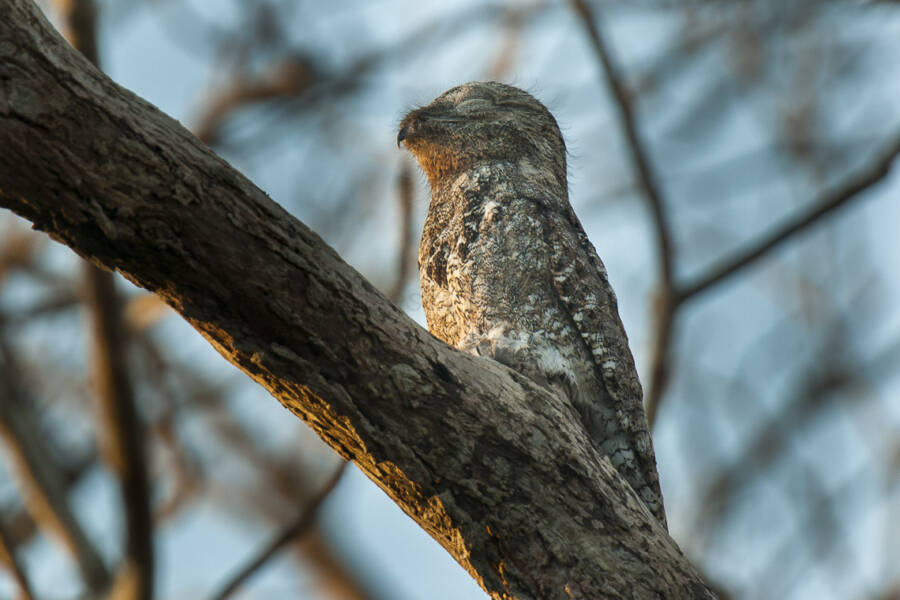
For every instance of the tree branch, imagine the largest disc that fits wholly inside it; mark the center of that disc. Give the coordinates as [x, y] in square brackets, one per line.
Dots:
[494, 467]
[8, 557]
[18, 522]
[42, 482]
[832, 200]
[121, 431]
[122, 435]
[673, 294]
[666, 304]
[79, 25]
[407, 252]
[292, 532]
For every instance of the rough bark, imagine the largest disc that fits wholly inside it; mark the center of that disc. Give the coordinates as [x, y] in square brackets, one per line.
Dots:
[492, 466]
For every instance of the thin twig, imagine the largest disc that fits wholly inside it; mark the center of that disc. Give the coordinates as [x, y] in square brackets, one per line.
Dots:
[831, 200]
[8, 556]
[660, 367]
[328, 86]
[187, 476]
[514, 23]
[666, 305]
[293, 531]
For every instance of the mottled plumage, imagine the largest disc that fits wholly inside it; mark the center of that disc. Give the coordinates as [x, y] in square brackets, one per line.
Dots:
[507, 271]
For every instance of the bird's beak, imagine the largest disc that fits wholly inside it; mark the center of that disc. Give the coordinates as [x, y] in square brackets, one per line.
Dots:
[402, 134]
[408, 126]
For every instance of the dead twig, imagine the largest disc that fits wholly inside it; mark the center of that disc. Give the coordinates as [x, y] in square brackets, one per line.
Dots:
[290, 533]
[289, 78]
[79, 24]
[298, 83]
[16, 520]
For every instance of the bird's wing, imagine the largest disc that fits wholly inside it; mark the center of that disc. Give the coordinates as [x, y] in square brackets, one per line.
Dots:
[615, 410]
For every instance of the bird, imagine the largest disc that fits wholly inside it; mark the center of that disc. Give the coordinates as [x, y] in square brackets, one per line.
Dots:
[507, 272]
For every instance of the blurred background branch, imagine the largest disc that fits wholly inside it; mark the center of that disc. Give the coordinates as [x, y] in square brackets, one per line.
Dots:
[291, 532]
[871, 174]
[121, 434]
[120, 428]
[40, 478]
[11, 561]
[672, 294]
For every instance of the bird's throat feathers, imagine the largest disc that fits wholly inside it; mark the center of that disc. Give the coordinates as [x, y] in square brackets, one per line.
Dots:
[439, 165]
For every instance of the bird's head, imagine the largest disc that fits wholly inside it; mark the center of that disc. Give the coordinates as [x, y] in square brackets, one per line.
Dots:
[482, 122]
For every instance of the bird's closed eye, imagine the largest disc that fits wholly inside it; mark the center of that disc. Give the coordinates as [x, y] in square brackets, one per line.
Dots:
[474, 105]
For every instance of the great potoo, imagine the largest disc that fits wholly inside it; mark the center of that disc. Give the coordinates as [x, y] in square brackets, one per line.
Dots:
[507, 271]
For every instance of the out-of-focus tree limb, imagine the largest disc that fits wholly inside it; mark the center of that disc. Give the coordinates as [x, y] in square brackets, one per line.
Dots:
[672, 294]
[294, 530]
[18, 523]
[406, 253]
[666, 294]
[831, 200]
[280, 481]
[121, 431]
[303, 82]
[498, 470]
[121, 434]
[513, 24]
[335, 577]
[42, 483]
[79, 24]
[288, 78]
[9, 558]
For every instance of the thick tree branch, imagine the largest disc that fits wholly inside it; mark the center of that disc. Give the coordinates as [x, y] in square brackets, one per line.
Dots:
[491, 465]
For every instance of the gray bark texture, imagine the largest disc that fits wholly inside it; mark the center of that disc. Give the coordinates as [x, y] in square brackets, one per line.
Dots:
[491, 465]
